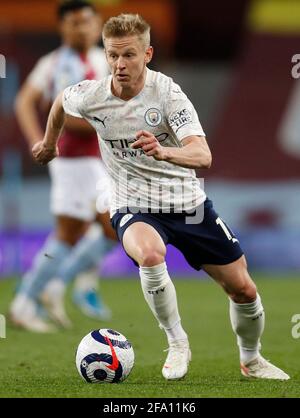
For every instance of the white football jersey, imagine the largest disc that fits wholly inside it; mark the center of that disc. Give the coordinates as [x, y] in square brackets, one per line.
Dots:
[139, 181]
[63, 67]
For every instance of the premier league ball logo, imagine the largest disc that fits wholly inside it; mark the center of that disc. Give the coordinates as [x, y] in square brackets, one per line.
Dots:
[104, 356]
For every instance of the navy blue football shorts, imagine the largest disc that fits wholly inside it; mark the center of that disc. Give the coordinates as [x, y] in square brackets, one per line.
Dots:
[208, 242]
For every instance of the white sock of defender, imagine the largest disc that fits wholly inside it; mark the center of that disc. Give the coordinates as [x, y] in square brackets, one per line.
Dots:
[87, 281]
[248, 321]
[160, 294]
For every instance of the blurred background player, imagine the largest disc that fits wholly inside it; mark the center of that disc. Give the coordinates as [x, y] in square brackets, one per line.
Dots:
[75, 246]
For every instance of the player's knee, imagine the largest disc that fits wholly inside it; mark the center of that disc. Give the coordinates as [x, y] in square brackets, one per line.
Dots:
[68, 237]
[151, 257]
[70, 230]
[245, 292]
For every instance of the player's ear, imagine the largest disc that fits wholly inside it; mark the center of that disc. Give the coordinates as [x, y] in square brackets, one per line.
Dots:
[104, 47]
[148, 54]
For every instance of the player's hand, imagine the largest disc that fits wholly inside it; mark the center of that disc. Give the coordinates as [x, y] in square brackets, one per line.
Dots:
[42, 153]
[149, 144]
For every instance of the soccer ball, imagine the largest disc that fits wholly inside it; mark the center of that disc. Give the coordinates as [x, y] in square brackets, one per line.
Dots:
[104, 356]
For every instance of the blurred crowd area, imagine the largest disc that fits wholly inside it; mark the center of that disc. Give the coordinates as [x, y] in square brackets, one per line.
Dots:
[234, 60]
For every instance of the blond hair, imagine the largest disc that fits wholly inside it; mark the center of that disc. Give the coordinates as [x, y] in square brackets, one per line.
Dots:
[127, 25]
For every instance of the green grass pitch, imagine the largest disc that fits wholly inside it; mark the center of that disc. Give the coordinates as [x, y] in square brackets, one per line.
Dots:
[34, 365]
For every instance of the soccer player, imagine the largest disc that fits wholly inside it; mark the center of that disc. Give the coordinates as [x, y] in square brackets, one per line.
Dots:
[72, 248]
[152, 140]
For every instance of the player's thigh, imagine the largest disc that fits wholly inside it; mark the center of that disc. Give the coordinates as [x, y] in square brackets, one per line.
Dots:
[69, 229]
[144, 244]
[104, 220]
[235, 279]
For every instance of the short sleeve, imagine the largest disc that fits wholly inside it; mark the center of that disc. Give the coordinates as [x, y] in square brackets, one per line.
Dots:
[39, 76]
[73, 98]
[181, 114]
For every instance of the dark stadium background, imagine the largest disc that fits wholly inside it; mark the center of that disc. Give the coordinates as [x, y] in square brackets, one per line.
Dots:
[234, 60]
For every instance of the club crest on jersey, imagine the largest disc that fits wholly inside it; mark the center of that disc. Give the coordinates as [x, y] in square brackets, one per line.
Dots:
[153, 117]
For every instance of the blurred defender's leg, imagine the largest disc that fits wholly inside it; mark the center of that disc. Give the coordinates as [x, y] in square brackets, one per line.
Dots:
[45, 266]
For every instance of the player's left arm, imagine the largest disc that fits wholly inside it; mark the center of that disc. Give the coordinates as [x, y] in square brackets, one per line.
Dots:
[194, 153]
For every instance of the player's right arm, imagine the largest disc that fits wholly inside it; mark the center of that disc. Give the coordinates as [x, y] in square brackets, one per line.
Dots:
[69, 102]
[35, 90]
[44, 151]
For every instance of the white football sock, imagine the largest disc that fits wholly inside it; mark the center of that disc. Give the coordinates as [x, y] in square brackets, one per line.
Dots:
[248, 320]
[87, 281]
[160, 294]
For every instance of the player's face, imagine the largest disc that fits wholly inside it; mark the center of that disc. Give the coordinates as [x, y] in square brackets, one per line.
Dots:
[127, 57]
[81, 29]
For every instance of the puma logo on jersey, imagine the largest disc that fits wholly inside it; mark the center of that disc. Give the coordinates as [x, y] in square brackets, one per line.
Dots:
[100, 120]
